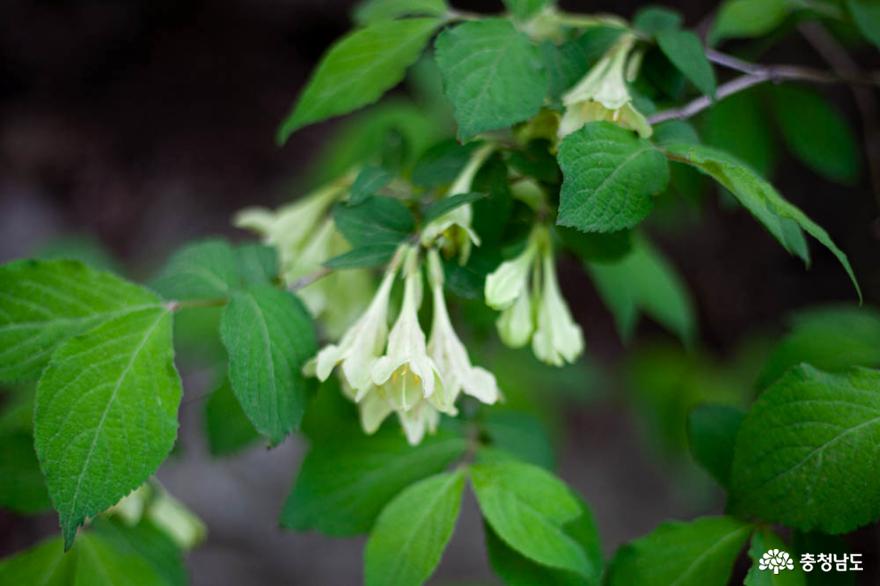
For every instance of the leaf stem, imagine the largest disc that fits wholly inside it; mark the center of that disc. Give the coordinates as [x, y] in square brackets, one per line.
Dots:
[307, 280]
[175, 305]
[756, 74]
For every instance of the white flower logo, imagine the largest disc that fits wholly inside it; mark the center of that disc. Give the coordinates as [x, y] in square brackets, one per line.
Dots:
[776, 560]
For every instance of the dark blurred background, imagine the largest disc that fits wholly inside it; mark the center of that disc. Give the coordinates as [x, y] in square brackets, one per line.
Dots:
[146, 123]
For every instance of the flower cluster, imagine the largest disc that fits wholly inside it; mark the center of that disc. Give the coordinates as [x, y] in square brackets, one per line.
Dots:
[603, 94]
[399, 371]
[526, 291]
[305, 236]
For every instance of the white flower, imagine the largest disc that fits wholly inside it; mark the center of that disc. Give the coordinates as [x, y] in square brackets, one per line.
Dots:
[420, 419]
[450, 355]
[510, 281]
[454, 227]
[516, 324]
[364, 341]
[558, 339]
[603, 94]
[406, 373]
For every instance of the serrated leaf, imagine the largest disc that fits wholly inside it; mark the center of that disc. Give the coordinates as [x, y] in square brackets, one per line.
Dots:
[807, 453]
[227, 427]
[412, 531]
[712, 433]
[656, 19]
[696, 553]
[685, 51]
[358, 69]
[204, 270]
[22, 488]
[370, 180]
[376, 220]
[830, 338]
[610, 176]
[268, 335]
[107, 402]
[644, 281]
[94, 561]
[43, 303]
[372, 11]
[782, 219]
[346, 479]
[447, 204]
[866, 14]
[827, 144]
[748, 18]
[525, 9]
[442, 163]
[362, 257]
[763, 541]
[492, 75]
[527, 507]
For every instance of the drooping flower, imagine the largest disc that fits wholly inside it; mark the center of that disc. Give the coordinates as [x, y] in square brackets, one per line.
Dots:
[510, 281]
[449, 353]
[405, 373]
[452, 230]
[603, 94]
[558, 339]
[364, 341]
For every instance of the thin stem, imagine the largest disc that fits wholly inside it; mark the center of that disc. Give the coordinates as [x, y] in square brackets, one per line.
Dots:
[756, 74]
[307, 280]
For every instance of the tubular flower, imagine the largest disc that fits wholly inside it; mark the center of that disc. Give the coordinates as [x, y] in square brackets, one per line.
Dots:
[364, 341]
[449, 354]
[541, 316]
[406, 374]
[603, 94]
[558, 339]
[453, 229]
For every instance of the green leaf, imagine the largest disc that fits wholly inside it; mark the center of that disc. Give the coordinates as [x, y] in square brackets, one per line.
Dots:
[147, 541]
[358, 69]
[525, 9]
[517, 570]
[373, 11]
[204, 270]
[94, 561]
[569, 62]
[685, 51]
[827, 144]
[830, 338]
[866, 14]
[107, 402]
[645, 281]
[257, 263]
[807, 453]
[712, 433]
[442, 163]
[363, 257]
[377, 220]
[43, 303]
[492, 74]
[610, 175]
[674, 131]
[411, 533]
[346, 479]
[22, 488]
[656, 19]
[268, 335]
[696, 553]
[784, 220]
[527, 507]
[608, 247]
[748, 18]
[738, 125]
[520, 434]
[447, 204]
[763, 541]
[370, 180]
[227, 427]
